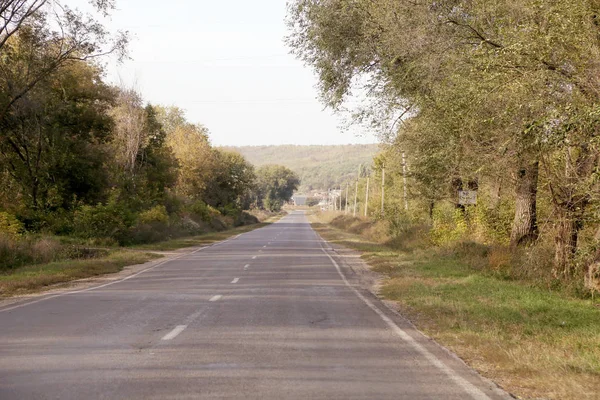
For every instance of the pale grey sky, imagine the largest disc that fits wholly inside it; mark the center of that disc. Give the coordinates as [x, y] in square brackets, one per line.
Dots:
[226, 64]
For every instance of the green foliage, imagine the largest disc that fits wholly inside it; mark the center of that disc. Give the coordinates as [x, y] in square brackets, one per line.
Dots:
[273, 205]
[203, 211]
[155, 214]
[111, 220]
[275, 185]
[232, 183]
[10, 226]
[448, 227]
[472, 95]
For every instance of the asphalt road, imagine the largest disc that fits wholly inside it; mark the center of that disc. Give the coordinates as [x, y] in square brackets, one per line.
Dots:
[271, 314]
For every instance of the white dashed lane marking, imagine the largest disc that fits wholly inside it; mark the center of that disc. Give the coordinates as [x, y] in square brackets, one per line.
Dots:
[175, 332]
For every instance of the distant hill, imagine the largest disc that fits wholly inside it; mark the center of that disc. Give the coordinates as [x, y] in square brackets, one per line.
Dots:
[319, 167]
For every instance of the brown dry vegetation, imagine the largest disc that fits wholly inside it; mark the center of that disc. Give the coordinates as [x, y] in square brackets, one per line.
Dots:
[33, 278]
[534, 341]
[36, 264]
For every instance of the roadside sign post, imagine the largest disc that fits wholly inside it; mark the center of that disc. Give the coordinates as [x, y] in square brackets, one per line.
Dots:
[467, 197]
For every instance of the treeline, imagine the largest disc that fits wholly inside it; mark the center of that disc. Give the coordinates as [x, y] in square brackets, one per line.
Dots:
[81, 157]
[320, 167]
[502, 98]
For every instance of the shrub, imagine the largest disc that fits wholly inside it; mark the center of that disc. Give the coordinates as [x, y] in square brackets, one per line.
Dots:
[272, 205]
[449, 226]
[10, 226]
[104, 221]
[203, 211]
[59, 222]
[154, 215]
[230, 210]
[28, 250]
[245, 219]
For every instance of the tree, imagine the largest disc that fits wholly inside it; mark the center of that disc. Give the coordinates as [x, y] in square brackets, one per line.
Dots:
[275, 185]
[191, 147]
[54, 136]
[233, 181]
[55, 35]
[129, 134]
[506, 84]
[159, 167]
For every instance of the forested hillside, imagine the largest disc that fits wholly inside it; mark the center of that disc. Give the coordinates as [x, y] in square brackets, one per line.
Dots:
[319, 167]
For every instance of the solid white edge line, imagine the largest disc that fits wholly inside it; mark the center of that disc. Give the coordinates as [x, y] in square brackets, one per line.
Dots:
[468, 387]
[174, 333]
[112, 283]
[104, 285]
[215, 298]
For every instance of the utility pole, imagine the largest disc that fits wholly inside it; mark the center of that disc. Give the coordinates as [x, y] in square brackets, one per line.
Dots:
[355, 198]
[332, 199]
[405, 180]
[367, 199]
[382, 189]
[347, 189]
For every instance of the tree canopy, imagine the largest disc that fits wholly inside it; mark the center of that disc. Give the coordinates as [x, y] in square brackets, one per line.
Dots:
[502, 97]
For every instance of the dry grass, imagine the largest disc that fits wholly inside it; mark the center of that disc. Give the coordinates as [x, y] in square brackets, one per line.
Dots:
[47, 263]
[533, 342]
[34, 278]
[200, 240]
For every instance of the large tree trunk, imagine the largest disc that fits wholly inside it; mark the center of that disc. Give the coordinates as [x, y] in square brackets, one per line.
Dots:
[570, 203]
[568, 225]
[495, 188]
[525, 228]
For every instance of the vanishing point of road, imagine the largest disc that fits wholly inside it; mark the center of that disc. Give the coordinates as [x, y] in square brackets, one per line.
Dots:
[270, 314]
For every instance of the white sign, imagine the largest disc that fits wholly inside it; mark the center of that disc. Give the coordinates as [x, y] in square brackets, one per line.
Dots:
[467, 197]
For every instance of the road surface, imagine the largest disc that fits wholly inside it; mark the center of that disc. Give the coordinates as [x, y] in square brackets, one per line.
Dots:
[271, 314]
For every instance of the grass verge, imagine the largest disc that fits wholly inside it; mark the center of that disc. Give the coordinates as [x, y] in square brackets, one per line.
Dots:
[533, 342]
[34, 278]
[200, 240]
[30, 279]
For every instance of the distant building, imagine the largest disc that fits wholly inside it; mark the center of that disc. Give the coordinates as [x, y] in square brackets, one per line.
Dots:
[300, 200]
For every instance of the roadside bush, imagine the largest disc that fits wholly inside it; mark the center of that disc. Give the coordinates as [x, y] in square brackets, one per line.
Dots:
[17, 252]
[10, 226]
[202, 211]
[230, 210]
[152, 226]
[58, 223]
[449, 226]
[112, 220]
[272, 205]
[157, 214]
[245, 218]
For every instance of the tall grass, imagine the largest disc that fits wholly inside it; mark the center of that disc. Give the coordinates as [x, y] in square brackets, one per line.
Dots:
[496, 308]
[16, 252]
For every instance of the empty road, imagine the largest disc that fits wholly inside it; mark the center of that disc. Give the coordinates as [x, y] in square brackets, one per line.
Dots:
[271, 314]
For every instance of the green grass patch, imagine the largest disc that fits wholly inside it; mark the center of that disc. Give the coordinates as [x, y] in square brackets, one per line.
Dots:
[534, 342]
[33, 278]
